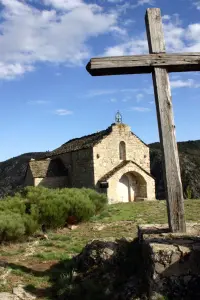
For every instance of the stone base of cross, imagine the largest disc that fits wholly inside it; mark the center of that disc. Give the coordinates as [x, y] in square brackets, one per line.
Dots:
[159, 64]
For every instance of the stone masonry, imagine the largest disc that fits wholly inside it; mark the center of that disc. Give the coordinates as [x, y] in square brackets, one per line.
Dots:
[136, 151]
[94, 161]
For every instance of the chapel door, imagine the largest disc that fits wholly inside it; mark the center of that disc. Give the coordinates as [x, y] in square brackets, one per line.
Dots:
[123, 189]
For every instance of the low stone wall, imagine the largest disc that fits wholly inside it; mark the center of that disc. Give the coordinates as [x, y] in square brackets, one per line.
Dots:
[174, 268]
[157, 265]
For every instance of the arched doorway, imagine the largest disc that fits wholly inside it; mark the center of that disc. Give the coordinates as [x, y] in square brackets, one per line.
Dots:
[131, 187]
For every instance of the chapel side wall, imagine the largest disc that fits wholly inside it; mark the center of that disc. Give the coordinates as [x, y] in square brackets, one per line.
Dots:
[83, 168]
[108, 151]
[29, 180]
[51, 182]
[67, 161]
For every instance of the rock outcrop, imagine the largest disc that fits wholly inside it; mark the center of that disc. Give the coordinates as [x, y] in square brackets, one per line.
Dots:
[155, 266]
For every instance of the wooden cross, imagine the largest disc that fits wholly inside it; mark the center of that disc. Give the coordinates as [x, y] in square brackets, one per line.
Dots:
[159, 64]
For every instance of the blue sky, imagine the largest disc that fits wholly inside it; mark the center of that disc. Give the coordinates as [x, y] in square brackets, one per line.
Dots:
[47, 96]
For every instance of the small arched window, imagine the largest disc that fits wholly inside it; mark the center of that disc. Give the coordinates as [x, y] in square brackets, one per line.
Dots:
[122, 151]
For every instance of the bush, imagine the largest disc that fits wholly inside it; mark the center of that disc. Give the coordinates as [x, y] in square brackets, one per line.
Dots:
[99, 200]
[52, 207]
[36, 194]
[79, 204]
[11, 226]
[188, 192]
[53, 212]
[13, 204]
[31, 225]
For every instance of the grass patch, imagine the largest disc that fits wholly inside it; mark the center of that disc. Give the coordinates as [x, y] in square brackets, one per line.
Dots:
[12, 252]
[52, 256]
[59, 237]
[47, 244]
[146, 212]
[139, 211]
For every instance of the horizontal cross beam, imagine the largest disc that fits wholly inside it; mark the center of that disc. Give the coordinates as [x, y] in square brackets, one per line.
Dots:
[140, 64]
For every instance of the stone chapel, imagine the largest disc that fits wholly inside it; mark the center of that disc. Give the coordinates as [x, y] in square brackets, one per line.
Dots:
[113, 161]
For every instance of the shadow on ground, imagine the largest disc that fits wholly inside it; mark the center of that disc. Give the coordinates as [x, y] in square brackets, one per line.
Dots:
[120, 270]
[103, 270]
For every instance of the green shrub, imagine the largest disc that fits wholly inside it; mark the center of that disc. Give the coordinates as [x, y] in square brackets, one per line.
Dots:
[13, 204]
[36, 194]
[188, 192]
[80, 205]
[53, 212]
[11, 226]
[99, 200]
[31, 225]
[38, 205]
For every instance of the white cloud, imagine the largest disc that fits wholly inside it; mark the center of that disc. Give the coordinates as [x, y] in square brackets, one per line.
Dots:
[174, 76]
[190, 83]
[127, 93]
[139, 2]
[142, 2]
[136, 45]
[126, 99]
[96, 93]
[63, 112]
[197, 4]
[102, 92]
[129, 90]
[139, 97]
[115, 1]
[122, 6]
[64, 4]
[128, 22]
[140, 109]
[29, 35]
[149, 90]
[37, 102]
[166, 17]
[113, 100]
[12, 70]
[177, 39]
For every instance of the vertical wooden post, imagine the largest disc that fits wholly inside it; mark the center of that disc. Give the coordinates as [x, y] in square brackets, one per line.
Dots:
[172, 177]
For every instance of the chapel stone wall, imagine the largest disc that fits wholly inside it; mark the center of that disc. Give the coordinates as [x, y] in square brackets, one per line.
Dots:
[52, 182]
[82, 168]
[106, 153]
[67, 161]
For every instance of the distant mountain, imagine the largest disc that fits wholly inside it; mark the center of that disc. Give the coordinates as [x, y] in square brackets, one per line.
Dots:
[189, 155]
[12, 171]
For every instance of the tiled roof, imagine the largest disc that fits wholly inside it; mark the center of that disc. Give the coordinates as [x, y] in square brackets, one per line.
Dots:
[118, 167]
[47, 168]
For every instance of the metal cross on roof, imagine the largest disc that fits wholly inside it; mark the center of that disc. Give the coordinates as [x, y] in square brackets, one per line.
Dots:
[118, 118]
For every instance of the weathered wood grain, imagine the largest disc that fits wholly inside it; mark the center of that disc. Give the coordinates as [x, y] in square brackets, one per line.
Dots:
[159, 63]
[139, 64]
[173, 184]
